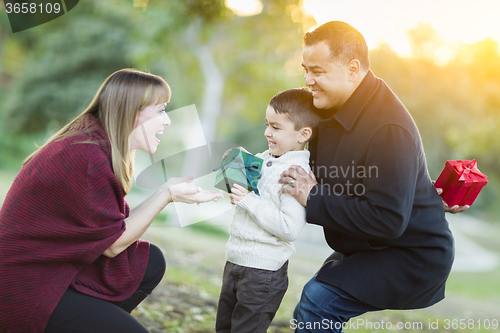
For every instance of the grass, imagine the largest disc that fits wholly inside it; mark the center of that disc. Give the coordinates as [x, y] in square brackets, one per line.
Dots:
[480, 286]
[200, 271]
[207, 285]
[185, 302]
[407, 321]
[210, 230]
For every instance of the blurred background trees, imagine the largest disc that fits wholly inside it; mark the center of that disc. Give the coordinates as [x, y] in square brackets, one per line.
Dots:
[230, 66]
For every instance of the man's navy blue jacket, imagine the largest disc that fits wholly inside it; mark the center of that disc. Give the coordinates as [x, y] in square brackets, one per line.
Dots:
[377, 205]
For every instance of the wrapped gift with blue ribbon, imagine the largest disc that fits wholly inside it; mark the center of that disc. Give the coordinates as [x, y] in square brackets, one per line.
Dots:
[241, 168]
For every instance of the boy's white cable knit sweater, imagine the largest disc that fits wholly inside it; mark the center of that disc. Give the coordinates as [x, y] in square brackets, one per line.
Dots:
[263, 227]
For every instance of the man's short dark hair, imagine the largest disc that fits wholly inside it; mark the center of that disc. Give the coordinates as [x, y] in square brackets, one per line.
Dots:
[298, 105]
[345, 42]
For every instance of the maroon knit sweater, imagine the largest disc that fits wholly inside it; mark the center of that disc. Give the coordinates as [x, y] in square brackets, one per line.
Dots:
[64, 209]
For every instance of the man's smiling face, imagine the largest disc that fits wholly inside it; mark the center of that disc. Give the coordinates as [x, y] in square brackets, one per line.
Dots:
[328, 79]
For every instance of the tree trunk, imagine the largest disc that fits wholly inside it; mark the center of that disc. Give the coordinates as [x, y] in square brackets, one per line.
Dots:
[208, 112]
[211, 103]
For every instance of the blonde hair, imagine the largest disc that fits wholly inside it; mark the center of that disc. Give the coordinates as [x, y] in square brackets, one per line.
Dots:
[116, 105]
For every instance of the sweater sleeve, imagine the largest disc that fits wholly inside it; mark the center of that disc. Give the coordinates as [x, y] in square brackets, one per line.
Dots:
[71, 197]
[383, 212]
[285, 221]
[106, 205]
[112, 279]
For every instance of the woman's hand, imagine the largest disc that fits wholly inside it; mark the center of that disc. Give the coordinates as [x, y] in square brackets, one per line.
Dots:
[141, 217]
[180, 190]
[237, 194]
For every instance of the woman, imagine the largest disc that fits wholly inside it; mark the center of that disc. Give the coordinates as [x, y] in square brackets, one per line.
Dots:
[70, 255]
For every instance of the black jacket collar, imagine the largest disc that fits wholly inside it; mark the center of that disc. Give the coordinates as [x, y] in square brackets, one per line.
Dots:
[351, 110]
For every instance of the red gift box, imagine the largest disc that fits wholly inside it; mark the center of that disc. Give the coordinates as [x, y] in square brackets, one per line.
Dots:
[461, 182]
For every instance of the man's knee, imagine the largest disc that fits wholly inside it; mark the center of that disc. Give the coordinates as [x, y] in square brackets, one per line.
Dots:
[321, 299]
[312, 300]
[312, 290]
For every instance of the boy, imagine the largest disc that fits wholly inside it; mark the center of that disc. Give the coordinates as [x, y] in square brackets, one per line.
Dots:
[264, 226]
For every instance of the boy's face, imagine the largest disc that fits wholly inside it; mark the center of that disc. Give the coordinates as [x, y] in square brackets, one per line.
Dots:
[281, 134]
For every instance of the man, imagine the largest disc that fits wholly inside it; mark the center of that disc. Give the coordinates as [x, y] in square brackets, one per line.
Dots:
[370, 191]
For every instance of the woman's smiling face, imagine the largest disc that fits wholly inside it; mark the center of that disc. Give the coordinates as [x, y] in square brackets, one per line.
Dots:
[149, 122]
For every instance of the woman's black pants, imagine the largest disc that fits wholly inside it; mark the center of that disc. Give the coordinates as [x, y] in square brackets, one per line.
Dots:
[79, 313]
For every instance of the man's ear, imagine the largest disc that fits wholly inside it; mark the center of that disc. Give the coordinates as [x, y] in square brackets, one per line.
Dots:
[305, 134]
[354, 69]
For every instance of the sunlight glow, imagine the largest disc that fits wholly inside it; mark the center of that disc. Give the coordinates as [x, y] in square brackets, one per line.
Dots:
[245, 7]
[387, 21]
[141, 4]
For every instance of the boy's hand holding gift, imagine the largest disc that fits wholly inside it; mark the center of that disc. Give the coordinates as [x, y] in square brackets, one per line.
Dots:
[229, 150]
[238, 173]
[237, 194]
[459, 184]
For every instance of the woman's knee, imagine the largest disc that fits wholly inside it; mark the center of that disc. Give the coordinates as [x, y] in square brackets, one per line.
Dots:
[157, 258]
[78, 313]
[155, 269]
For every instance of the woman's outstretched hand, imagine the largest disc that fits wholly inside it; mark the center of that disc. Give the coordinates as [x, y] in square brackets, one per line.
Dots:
[181, 190]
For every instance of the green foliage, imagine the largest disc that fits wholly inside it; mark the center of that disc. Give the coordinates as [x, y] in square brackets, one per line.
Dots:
[67, 59]
[14, 148]
[455, 105]
[66, 63]
[209, 230]
[50, 73]
[255, 68]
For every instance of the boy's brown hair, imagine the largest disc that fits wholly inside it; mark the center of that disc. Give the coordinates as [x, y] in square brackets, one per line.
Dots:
[298, 105]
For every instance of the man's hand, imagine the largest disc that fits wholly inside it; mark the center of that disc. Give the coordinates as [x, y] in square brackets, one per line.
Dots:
[454, 209]
[300, 183]
[237, 194]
